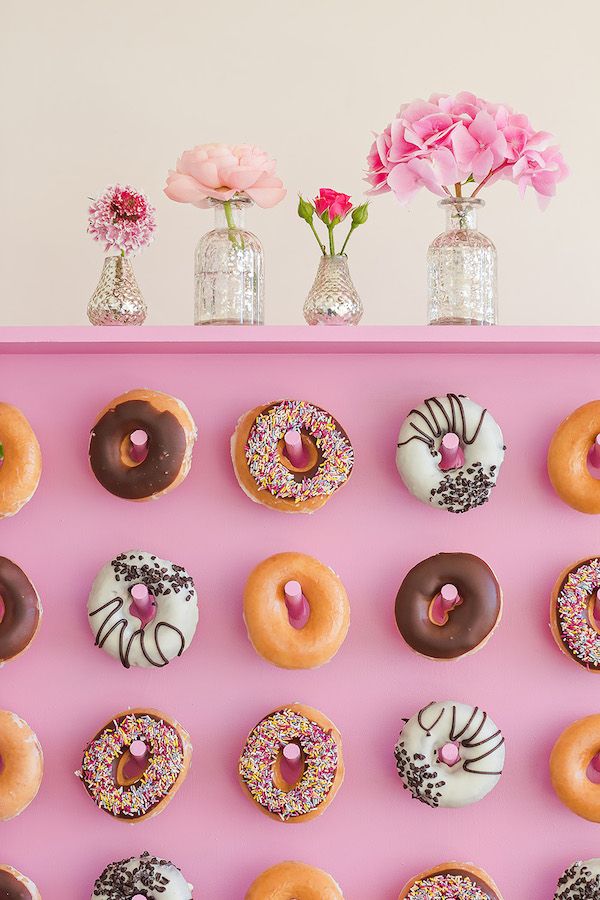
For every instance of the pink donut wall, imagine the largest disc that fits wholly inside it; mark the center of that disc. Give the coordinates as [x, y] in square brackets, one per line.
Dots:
[374, 836]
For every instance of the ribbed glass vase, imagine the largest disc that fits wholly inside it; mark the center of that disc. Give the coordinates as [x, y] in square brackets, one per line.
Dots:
[117, 300]
[333, 299]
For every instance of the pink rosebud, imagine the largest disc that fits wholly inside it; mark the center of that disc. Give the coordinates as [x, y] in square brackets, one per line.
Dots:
[332, 205]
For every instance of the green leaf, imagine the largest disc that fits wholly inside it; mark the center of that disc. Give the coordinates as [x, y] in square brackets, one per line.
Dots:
[470, 180]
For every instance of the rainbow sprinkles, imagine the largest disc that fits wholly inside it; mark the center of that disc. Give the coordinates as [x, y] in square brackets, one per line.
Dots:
[579, 636]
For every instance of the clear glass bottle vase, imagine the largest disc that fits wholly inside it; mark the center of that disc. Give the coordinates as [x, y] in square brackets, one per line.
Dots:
[462, 281]
[229, 270]
[333, 299]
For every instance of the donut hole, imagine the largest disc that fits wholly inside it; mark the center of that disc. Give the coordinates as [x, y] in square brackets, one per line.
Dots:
[593, 459]
[129, 769]
[1, 764]
[310, 450]
[287, 774]
[2, 609]
[593, 769]
[135, 447]
[594, 610]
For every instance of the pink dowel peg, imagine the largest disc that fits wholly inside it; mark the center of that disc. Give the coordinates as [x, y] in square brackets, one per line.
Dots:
[446, 600]
[144, 605]
[2, 609]
[291, 763]
[138, 750]
[139, 446]
[594, 458]
[449, 754]
[297, 604]
[451, 452]
[294, 449]
[138, 897]
[596, 607]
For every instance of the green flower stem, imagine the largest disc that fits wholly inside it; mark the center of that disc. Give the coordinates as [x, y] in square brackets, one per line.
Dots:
[352, 228]
[331, 243]
[317, 238]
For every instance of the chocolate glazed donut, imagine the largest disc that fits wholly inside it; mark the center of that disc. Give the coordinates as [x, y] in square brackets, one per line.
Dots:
[468, 625]
[14, 886]
[171, 433]
[20, 611]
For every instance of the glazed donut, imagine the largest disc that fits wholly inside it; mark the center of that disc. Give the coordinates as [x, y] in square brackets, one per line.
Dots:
[143, 793]
[581, 881]
[451, 880]
[420, 456]
[22, 765]
[20, 611]
[270, 626]
[15, 886]
[435, 773]
[268, 476]
[572, 613]
[115, 620]
[20, 460]
[170, 431]
[440, 631]
[130, 877]
[322, 772]
[568, 459]
[294, 881]
[569, 761]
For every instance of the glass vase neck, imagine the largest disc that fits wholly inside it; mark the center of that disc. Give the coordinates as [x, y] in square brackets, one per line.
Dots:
[461, 212]
[231, 212]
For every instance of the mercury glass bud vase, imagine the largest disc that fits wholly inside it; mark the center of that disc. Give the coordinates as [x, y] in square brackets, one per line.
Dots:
[117, 300]
[462, 269]
[333, 299]
[229, 270]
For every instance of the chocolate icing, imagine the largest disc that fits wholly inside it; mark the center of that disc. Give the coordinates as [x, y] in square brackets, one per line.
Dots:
[586, 663]
[21, 610]
[166, 450]
[485, 888]
[450, 423]
[11, 889]
[468, 624]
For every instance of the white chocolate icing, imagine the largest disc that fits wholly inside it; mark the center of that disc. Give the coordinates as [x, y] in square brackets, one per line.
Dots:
[143, 874]
[119, 632]
[418, 453]
[481, 754]
[581, 881]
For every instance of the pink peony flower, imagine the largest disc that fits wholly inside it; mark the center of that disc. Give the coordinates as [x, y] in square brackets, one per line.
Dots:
[222, 172]
[123, 219]
[331, 205]
[479, 146]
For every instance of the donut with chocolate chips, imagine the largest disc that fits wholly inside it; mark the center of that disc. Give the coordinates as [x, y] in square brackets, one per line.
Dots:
[581, 881]
[443, 630]
[449, 453]
[144, 876]
[167, 456]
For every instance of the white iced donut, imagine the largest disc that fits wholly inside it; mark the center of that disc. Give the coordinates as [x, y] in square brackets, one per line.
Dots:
[450, 754]
[419, 455]
[143, 876]
[581, 881]
[169, 624]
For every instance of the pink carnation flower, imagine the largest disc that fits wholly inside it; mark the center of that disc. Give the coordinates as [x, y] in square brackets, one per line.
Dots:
[222, 172]
[123, 219]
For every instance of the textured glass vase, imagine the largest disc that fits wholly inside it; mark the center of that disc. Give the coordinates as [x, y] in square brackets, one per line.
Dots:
[333, 299]
[462, 269]
[117, 300]
[229, 270]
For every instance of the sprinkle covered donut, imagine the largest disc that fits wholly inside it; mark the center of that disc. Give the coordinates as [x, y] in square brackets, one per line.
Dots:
[20, 460]
[451, 881]
[320, 769]
[581, 881]
[155, 627]
[294, 880]
[142, 876]
[449, 453]
[135, 764]
[20, 611]
[15, 886]
[448, 605]
[573, 605]
[569, 761]
[22, 765]
[568, 456]
[159, 462]
[301, 632]
[450, 754]
[291, 455]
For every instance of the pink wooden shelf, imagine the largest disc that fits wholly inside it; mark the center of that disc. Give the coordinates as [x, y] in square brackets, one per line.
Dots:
[302, 339]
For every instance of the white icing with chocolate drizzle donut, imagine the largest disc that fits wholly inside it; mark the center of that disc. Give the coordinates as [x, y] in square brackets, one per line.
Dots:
[418, 453]
[144, 875]
[116, 628]
[479, 748]
[581, 881]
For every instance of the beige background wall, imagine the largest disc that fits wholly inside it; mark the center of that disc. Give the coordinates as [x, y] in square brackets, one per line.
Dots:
[95, 92]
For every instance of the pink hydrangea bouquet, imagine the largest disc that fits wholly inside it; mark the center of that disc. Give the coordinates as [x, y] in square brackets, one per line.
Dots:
[225, 172]
[122, 219]
[332, 207]
[446, 143]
